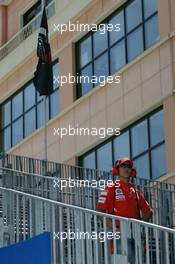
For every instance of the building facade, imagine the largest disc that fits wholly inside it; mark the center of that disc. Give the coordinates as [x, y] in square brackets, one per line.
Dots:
[142, 104]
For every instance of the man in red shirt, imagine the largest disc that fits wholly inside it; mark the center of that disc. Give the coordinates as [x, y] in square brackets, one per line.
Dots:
[123, 199]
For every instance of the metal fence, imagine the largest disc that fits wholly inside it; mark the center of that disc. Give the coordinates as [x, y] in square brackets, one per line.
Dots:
[82, 235]
[64, 187]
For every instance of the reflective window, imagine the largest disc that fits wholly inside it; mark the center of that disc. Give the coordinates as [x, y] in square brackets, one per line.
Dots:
[139, 135]
[118, 57]
[121, 146]
[158, 161]
[6, 114]
[17, 131]
[86, 84]
[150, 7]
[24, 112]
[142, 166]
[135, 43]
[132, 29]
[56, 71]
[143, 142]
[30, 122]
[116, 35]
[29, 96]
[54, 103]
[151, 31]
[104, 157]
[33, 11]
[17, 106]
[89, 161]
[85, 51]
[100, 66]
[100, 42]
[157, 128]
[133, 14]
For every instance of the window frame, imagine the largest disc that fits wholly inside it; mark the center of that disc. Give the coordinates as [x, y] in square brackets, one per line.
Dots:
[128, 129]
[109, 47]
[24, 112]
[37, 4]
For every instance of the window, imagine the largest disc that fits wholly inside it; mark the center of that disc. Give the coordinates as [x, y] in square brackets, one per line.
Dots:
[157, 128]
[135, 43]
[23, 113]
[6, 110]
[121, 146]
[17, 106]
[100, 42]
[117, 35]
[33, 11]
[17, 131]
[118, 58]
[104, 157]
[143, 142]
[104, 54]
[89, 161]
[139, 135]
[133, 15]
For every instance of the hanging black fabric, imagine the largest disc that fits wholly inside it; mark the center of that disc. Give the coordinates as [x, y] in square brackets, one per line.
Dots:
[43, 76]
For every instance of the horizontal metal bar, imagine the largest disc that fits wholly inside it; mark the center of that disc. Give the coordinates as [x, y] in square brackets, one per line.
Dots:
[166, 229]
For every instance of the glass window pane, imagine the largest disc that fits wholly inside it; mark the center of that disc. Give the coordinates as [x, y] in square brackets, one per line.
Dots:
[7, 138]
[139, 136]
[56, 73]
[29, 122]
[104, 157]
[121, 146]
[150, 7]
[157, 127]
[39, 98]
[100, 41]
[101, 66]
[89, 161]
[29, 96]
[40, 113]
[151, 31]
[31, 13]
[86, 84]
[54, 103]
[17, 106]
[115, 35]
[85, 50]
[17, 131]
[142, 167]
[6, 114]
[117, 56]
[158, 161]
[133, 14]
[135, 43]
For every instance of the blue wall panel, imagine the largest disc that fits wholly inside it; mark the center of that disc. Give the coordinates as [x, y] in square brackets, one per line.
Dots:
[32, 251]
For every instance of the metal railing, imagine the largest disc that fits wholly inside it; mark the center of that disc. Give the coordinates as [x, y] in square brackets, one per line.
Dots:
[25, 32]
[64, 187]
[82, 235]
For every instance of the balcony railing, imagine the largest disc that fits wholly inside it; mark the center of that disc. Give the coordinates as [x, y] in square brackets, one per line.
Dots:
[25, 32]
[44, 179]
[82, 235]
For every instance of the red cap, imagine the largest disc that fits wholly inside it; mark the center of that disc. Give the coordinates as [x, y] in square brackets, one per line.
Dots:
[123, 160]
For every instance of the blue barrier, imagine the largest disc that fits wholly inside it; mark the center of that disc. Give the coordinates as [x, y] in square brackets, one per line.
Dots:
[32, 251]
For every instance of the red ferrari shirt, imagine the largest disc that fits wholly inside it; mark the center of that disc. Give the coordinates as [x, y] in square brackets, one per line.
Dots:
[122, 200]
